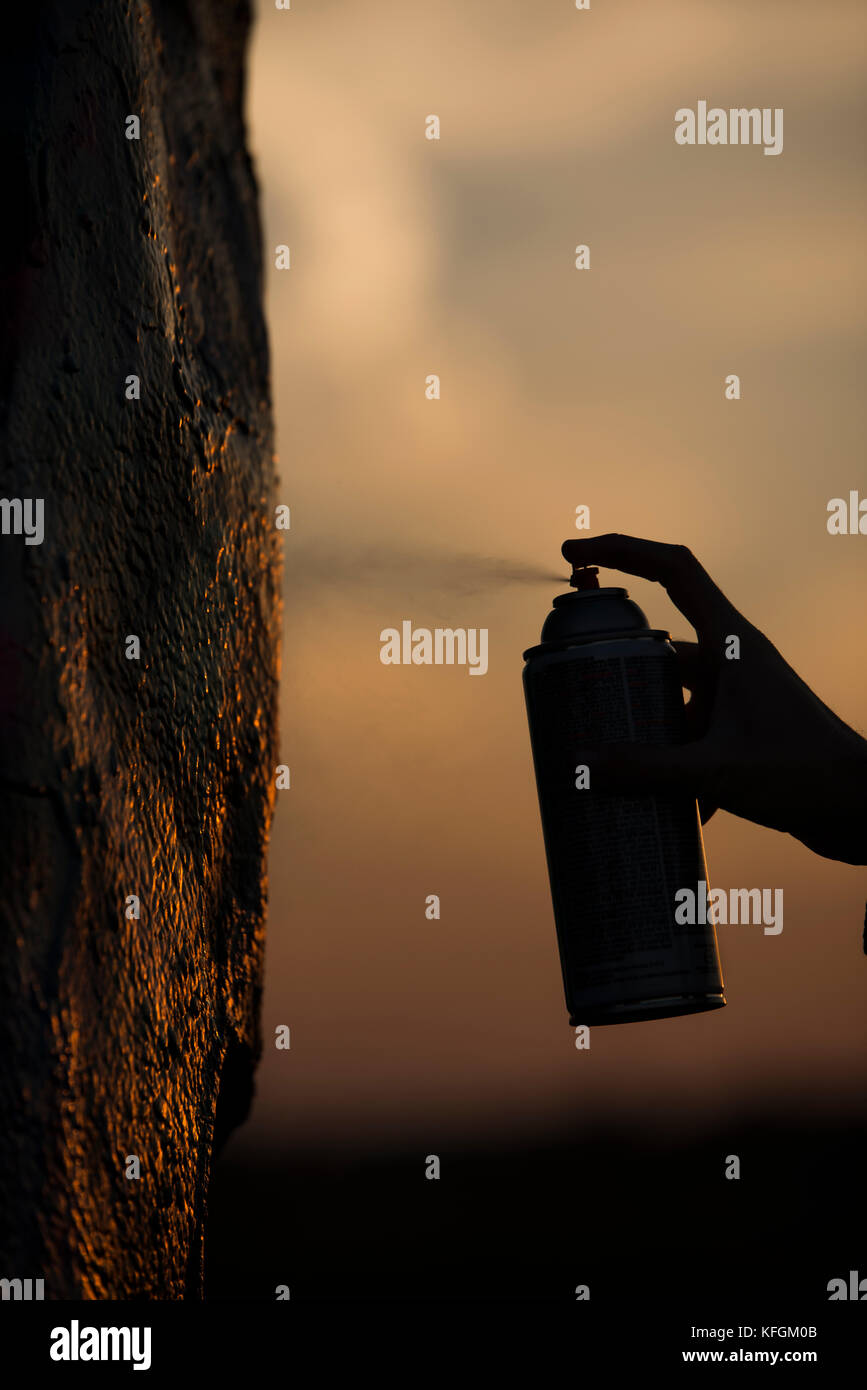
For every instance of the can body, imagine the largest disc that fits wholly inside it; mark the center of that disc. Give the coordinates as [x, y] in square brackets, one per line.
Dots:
[615, 863]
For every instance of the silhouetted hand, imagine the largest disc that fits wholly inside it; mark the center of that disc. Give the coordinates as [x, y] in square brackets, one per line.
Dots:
[762, 745]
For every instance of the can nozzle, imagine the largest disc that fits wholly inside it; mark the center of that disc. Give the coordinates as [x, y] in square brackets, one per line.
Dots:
[584, 577]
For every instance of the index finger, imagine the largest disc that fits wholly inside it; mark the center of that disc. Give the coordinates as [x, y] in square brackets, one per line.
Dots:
[675, 567]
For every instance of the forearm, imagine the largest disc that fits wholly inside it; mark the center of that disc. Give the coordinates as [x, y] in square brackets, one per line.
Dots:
[836, 826]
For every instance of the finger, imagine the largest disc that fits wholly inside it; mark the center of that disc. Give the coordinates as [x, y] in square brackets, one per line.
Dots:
[691, 663]
[687, 584]
[645, 769]
[695, 716]
[700, 678]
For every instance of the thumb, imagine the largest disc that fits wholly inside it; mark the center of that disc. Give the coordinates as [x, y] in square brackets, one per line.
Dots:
[645, 769]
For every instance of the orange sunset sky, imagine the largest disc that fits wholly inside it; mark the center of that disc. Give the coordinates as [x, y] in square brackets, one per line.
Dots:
[559, 388]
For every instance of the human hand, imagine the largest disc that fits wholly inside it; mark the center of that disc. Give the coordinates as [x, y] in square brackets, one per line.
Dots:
[761, 745]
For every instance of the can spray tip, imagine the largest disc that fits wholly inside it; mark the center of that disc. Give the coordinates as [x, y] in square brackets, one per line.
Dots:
[584, 577]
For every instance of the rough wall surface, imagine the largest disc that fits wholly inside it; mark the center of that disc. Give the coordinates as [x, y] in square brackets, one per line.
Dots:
[118, 777]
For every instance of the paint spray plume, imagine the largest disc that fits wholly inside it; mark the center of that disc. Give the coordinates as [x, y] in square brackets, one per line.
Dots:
[444, 571]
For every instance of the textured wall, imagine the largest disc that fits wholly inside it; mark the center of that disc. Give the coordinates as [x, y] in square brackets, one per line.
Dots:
[151, 777]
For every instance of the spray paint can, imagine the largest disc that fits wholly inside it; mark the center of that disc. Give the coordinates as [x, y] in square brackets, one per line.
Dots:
[601, 674]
